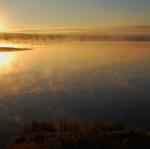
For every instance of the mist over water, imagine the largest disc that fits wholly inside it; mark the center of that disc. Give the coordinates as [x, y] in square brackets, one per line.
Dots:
[50, 38]
[75, 80]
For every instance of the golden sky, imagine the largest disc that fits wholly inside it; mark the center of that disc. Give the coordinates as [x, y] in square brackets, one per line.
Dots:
[46, 14]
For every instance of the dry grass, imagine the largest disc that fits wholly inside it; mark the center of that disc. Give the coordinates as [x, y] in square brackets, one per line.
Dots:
[71, 135]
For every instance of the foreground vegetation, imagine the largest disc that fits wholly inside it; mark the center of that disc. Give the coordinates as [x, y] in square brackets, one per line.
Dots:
[71, 135]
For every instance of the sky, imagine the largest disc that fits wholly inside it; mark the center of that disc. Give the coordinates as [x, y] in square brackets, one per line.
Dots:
[73, 13]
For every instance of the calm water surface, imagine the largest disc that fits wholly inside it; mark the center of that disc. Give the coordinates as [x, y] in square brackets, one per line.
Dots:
[83, 81]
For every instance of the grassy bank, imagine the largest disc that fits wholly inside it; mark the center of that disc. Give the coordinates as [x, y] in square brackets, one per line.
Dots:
[71, 135]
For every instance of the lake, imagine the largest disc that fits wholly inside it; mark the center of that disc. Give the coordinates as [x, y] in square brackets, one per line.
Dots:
[109, 81]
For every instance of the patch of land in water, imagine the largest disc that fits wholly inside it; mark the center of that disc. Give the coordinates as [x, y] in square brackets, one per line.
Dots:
[12, 49]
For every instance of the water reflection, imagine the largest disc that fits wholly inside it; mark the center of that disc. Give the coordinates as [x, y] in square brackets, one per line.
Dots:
[77, 80]
[61, 67]
[6, 59]
[8, 56]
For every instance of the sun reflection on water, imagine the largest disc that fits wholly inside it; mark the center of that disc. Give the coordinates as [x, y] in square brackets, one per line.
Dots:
[7, 58]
